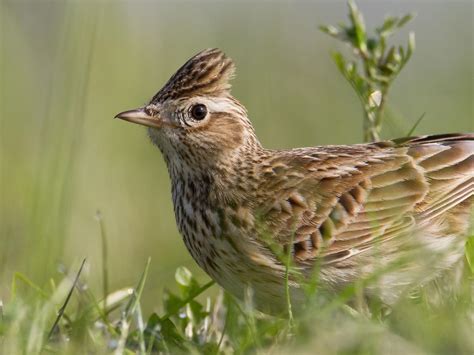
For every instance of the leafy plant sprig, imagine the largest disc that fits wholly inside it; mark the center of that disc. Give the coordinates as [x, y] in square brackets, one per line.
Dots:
[376, 65]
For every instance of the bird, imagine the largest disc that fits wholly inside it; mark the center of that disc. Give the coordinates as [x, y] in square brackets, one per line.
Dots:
[274, 221]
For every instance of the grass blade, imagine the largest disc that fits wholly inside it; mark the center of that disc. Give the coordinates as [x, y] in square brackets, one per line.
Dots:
[137, 293]
[418, 121]
[63, 308]
[130, 309]
[105, 273]
[19, 276]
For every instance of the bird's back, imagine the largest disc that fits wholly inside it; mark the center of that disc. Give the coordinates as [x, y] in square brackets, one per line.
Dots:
[353, 209]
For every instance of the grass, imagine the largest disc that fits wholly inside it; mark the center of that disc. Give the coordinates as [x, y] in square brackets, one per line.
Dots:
[67, 318]
[70, 312]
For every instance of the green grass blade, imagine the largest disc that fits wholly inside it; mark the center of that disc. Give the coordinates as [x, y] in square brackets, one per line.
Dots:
[137, 293]
[68, 297]
[105, 273]
[418, 121]
[18, 276]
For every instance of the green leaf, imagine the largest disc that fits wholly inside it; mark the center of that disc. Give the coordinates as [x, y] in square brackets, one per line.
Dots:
[171, 302]
[340, 62]
[361, 86]
[153, 321]
[330, 30]
[401, 50]
[171, 335]
[372, 44]
[183, 276]
[390, 56]
[405, 19]
[186, 282]
[411, 44]
[387, 26]
[351, 70]
[196, 312]
[359, 27]
[397, 58]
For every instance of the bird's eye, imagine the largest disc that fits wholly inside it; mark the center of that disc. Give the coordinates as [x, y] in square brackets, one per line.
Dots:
[199, 112]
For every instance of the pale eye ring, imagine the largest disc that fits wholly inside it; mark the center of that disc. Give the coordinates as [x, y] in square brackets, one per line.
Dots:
[149, 111]
[199, 112]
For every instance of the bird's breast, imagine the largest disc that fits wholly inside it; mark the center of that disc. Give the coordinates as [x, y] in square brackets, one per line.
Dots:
[221, 239]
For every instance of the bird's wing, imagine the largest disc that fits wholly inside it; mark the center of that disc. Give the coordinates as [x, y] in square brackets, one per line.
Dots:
[336, 201]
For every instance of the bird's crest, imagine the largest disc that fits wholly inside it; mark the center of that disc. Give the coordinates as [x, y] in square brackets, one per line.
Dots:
[207, 73]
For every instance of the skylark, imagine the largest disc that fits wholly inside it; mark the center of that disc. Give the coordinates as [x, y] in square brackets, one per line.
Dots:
[340, 212]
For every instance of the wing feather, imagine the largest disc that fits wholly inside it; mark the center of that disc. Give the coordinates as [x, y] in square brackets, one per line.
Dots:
[340, 201]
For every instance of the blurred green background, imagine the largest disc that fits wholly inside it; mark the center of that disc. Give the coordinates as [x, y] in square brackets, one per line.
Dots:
[67, 67]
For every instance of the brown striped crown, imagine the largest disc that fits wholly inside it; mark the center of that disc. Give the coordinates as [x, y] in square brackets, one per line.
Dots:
[207, 73]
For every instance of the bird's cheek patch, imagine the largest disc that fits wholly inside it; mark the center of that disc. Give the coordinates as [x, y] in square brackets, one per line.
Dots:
[227, 131]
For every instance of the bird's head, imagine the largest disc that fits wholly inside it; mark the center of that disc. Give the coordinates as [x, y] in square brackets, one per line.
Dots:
[194, 117]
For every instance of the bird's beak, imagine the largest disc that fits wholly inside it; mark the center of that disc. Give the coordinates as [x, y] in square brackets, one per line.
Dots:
[140, 116]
